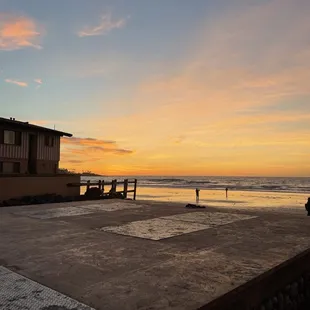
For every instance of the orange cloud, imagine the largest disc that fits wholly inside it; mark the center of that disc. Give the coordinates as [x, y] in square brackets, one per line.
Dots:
[81, 149]
[19, 83]
[18, 32]
[88, 142]
[98, 150]
[105, 26]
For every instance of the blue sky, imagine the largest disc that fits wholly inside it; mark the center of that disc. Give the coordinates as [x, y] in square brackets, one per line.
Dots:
[188, 84]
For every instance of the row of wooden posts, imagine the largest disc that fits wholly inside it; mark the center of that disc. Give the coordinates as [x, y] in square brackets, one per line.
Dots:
[114, 183]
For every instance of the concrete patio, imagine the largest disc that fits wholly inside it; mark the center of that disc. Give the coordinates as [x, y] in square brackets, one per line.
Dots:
[114, 254]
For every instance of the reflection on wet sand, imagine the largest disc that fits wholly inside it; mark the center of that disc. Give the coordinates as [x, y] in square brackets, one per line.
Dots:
[218, 198]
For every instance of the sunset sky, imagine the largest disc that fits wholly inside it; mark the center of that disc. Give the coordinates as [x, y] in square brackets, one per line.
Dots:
[165, 87]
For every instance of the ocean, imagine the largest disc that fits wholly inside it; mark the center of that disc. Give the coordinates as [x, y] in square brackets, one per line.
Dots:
[257, 184]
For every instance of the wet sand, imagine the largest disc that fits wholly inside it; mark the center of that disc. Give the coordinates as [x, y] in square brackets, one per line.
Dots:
[217, 198]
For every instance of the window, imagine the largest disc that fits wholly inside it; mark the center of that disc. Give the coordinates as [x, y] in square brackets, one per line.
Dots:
[49, 141]
[9, 137]
[12, 137]
[9, 167]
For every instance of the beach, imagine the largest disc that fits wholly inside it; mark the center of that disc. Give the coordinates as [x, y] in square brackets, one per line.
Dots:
[243, 192]
[217, 198]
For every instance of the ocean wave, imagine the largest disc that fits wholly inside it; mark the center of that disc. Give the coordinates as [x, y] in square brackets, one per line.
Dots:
[165, 180]
[198, 182]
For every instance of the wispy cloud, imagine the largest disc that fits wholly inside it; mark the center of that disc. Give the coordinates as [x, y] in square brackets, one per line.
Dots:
[18, 32]
[39, 83]
[105, 25]
[90, 153]
[75, 161]
[84, 146]
[19, 83]
[99, 151]
[88, 141]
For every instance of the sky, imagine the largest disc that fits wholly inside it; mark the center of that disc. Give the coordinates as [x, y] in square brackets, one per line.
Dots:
[166, 87]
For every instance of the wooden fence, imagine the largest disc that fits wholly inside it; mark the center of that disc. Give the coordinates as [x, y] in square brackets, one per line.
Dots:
[101, 184]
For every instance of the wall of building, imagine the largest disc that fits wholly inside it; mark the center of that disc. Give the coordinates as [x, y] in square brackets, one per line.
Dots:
[19, 186]
[23, 163]
[48, 152]
[47, 166]
[47, 156]
[42, 166]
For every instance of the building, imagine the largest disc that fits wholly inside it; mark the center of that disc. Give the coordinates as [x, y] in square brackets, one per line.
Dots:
[29, 158]
[28, 149]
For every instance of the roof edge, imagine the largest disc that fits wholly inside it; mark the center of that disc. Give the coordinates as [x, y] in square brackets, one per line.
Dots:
[21, 124]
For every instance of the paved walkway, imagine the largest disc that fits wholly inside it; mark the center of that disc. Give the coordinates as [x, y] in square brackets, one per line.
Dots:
[138, 255]
[20, 293]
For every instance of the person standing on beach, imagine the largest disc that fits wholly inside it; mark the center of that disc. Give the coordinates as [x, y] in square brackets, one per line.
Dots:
[197, 195]
[226, 189]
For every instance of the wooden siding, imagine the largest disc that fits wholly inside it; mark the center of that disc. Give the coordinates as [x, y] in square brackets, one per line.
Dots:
[15, 151]
[48, 152]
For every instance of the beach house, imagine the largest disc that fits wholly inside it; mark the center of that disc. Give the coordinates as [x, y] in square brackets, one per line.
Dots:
[29, 160]
[28, 149]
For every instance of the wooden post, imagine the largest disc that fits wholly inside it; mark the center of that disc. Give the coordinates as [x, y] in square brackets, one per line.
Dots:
[115, 185]
[88, 185]
[135, 190]
[125, 188]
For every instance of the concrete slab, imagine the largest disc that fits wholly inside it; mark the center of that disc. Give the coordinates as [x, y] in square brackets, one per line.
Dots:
[111, 271]
[155, 229]
[110, 207]
[78, 210]
[211, 219]
[60, 212]
[175, 225]
[19, 293]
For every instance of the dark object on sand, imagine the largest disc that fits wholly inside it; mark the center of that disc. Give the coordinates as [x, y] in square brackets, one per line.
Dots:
[307, 206]
[116, 195]
[191, 206]
[93, 193]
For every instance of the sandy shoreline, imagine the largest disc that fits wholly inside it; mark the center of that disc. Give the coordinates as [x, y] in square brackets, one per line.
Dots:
[217, 198]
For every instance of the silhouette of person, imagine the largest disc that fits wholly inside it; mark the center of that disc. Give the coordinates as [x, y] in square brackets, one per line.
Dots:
[197, 195]
[307, 206]
[226, 189]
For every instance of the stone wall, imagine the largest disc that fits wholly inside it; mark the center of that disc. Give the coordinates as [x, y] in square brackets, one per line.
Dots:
[295, 295]
[285, 287]
[18, 186]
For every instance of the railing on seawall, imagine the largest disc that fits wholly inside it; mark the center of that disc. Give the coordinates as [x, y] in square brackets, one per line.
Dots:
[128, 186]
